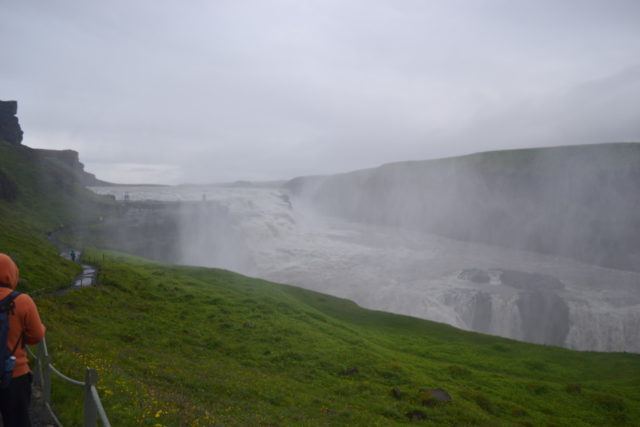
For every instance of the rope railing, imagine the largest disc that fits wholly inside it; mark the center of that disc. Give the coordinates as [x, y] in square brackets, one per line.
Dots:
[53, 415]
[92, 404]
[64, 377]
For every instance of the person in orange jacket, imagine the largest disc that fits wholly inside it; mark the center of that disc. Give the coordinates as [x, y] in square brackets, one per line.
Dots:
[25, 327]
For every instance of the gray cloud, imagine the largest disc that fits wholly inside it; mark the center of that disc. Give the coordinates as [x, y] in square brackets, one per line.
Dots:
[209, 91]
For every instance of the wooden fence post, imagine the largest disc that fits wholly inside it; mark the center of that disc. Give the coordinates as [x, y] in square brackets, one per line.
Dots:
[37, 380]
[37, 375]
[46, 378]
[90, 409]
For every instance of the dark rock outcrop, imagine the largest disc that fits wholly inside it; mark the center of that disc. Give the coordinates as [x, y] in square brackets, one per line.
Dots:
[68, 160]
[544, 314]
[10, 130]
[482, 312]
[416, 415]
[349, 371]
[396, 393]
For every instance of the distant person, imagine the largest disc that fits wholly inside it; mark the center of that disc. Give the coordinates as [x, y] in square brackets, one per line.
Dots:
[24, 327]
[72, 254]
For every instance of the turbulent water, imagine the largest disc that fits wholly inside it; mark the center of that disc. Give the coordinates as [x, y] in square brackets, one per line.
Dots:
[515, 294]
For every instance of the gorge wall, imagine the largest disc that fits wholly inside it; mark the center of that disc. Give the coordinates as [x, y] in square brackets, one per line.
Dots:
[10, 130]
[266, 233]
[580, 202]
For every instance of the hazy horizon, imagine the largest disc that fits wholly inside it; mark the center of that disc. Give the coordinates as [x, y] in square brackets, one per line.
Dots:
[202, 93]
[286, 179]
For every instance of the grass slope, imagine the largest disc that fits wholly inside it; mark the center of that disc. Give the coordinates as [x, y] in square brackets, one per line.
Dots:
[41, 268]
[195, 346]
[47, 197]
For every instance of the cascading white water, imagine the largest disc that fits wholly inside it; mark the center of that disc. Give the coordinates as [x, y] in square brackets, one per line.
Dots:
[268, 235]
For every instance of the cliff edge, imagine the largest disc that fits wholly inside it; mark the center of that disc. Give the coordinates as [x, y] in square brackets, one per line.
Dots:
[10, 129]
[68, 160]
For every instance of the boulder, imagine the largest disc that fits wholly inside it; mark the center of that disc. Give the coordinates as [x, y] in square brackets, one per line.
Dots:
[416, 415]
[349, 371]
[434, 396]
[396, 393]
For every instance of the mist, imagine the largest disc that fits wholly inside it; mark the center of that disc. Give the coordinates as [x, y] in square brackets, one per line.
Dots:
[360, 120]
[578, 202]
[214, 92]
[537, 245]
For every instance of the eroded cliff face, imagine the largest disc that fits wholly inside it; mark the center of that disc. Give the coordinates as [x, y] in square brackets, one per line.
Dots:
[68, 168]
[195, 233]
[69, 160]
[580, 201]
[538, 312]
[10, 130]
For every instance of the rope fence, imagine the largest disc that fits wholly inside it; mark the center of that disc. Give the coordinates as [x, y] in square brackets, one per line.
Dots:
[92, 404]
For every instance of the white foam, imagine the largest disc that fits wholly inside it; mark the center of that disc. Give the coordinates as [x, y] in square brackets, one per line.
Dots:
[411, 273]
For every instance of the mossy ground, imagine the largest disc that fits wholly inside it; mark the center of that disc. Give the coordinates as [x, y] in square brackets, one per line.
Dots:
[41, 268]
[48, 198]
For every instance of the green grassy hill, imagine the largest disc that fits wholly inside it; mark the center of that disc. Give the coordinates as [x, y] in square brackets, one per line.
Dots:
[40, 194]
[195, 346]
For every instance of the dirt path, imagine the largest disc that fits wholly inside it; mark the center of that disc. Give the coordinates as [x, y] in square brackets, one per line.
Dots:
[88, 277]
[40, 416]
[89, 274]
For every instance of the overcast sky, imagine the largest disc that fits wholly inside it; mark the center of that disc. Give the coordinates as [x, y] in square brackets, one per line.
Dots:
[206, 91]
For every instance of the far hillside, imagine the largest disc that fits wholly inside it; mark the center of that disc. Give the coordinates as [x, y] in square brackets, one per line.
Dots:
[575, 201]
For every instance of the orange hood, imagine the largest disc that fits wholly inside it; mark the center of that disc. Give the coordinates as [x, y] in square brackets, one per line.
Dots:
[9, 273]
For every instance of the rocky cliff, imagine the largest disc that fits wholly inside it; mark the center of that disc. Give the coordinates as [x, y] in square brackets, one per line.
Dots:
[70, 161]
[67, 161]
[580, 201]
[10, 130]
